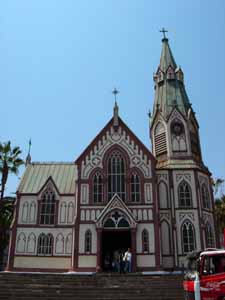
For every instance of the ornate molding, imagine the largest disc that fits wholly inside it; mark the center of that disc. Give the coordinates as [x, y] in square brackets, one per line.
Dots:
[179, 177]
[189, 215]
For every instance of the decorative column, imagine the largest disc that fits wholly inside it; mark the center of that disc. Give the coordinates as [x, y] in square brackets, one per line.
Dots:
[133, 249]
[99, 250]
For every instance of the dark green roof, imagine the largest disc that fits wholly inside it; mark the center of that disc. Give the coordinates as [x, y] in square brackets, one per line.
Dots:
[169, 92]
[166, 59]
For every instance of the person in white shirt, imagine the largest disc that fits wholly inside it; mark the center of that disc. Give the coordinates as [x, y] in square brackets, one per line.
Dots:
[127, 259]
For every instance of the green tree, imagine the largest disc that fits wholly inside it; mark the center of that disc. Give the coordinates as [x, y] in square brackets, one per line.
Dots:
[219, 195]
[9, 163]
[5, 222]
[220, 213]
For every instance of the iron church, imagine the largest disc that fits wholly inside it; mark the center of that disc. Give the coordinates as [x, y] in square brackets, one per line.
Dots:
[119, 194]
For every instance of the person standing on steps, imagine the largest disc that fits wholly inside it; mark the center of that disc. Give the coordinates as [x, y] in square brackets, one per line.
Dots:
[127, 260]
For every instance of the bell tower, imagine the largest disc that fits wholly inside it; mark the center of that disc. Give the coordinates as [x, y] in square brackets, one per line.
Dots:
[174, 127]
[185, 198]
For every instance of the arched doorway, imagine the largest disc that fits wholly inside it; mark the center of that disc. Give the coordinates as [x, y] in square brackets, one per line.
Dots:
[116, 239]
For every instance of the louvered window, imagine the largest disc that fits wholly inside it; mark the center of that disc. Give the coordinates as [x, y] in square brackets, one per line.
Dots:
[160, 139]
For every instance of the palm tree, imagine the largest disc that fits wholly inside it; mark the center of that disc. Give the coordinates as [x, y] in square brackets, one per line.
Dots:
[5, 222]
[9, 163]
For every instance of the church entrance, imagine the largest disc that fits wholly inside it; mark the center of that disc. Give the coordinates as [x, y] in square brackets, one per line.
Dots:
[113, 243]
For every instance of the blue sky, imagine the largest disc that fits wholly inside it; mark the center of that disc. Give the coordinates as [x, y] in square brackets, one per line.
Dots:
[60, 60]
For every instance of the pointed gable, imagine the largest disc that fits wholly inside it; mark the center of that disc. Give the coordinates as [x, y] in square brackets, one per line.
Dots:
[121, 136]
[49, 184]
[116, 204]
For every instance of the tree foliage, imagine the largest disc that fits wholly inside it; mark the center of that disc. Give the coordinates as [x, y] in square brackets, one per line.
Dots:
[219, 203]
[10, 162]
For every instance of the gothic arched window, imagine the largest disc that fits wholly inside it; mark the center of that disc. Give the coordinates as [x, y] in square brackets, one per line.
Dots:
[116, 175]
[178, 139]
[135, 188]
[209, 238]
[97, 188]
[184, 195]
[165, 238]
[205, 196]
[47, 216]
[25, 212]
[87, 241]
[188, 237]
[163, 195]
[45, 244]
[145, 241]
[21, 243]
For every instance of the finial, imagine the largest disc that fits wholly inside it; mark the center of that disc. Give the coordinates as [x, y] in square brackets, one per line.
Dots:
[163, 30]
[28, 158]
[115, 109]
[115, 92]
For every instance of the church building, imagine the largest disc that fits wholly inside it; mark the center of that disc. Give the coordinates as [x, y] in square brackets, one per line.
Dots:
[120, 194]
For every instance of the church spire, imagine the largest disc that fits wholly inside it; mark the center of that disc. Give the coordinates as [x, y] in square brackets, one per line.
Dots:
[167, 58]
[28, 158]
[169, 87]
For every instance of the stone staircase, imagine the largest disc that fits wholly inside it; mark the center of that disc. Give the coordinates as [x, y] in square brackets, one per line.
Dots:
[34, 286]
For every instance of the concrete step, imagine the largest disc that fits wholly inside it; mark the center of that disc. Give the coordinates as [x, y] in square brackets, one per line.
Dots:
[15, 286]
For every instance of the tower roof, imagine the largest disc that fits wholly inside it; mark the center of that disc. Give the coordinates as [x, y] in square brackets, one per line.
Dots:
[166, 58]
[169, 86]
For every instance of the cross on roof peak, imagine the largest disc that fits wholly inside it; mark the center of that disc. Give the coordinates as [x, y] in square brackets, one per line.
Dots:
[163, 30]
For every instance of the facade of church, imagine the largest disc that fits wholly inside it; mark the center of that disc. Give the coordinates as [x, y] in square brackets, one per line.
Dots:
[119, 194]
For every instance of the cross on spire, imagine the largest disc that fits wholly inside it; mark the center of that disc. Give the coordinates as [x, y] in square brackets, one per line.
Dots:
[115, 92]
[163, 30]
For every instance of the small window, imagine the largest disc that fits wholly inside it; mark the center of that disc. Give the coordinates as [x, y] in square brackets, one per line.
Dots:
[135, 188]
[109, 223]
[45, 244]
[98, 188]
[123, 223]
[145, 241]
[88, 238]
[188, 237]
[184, 194]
